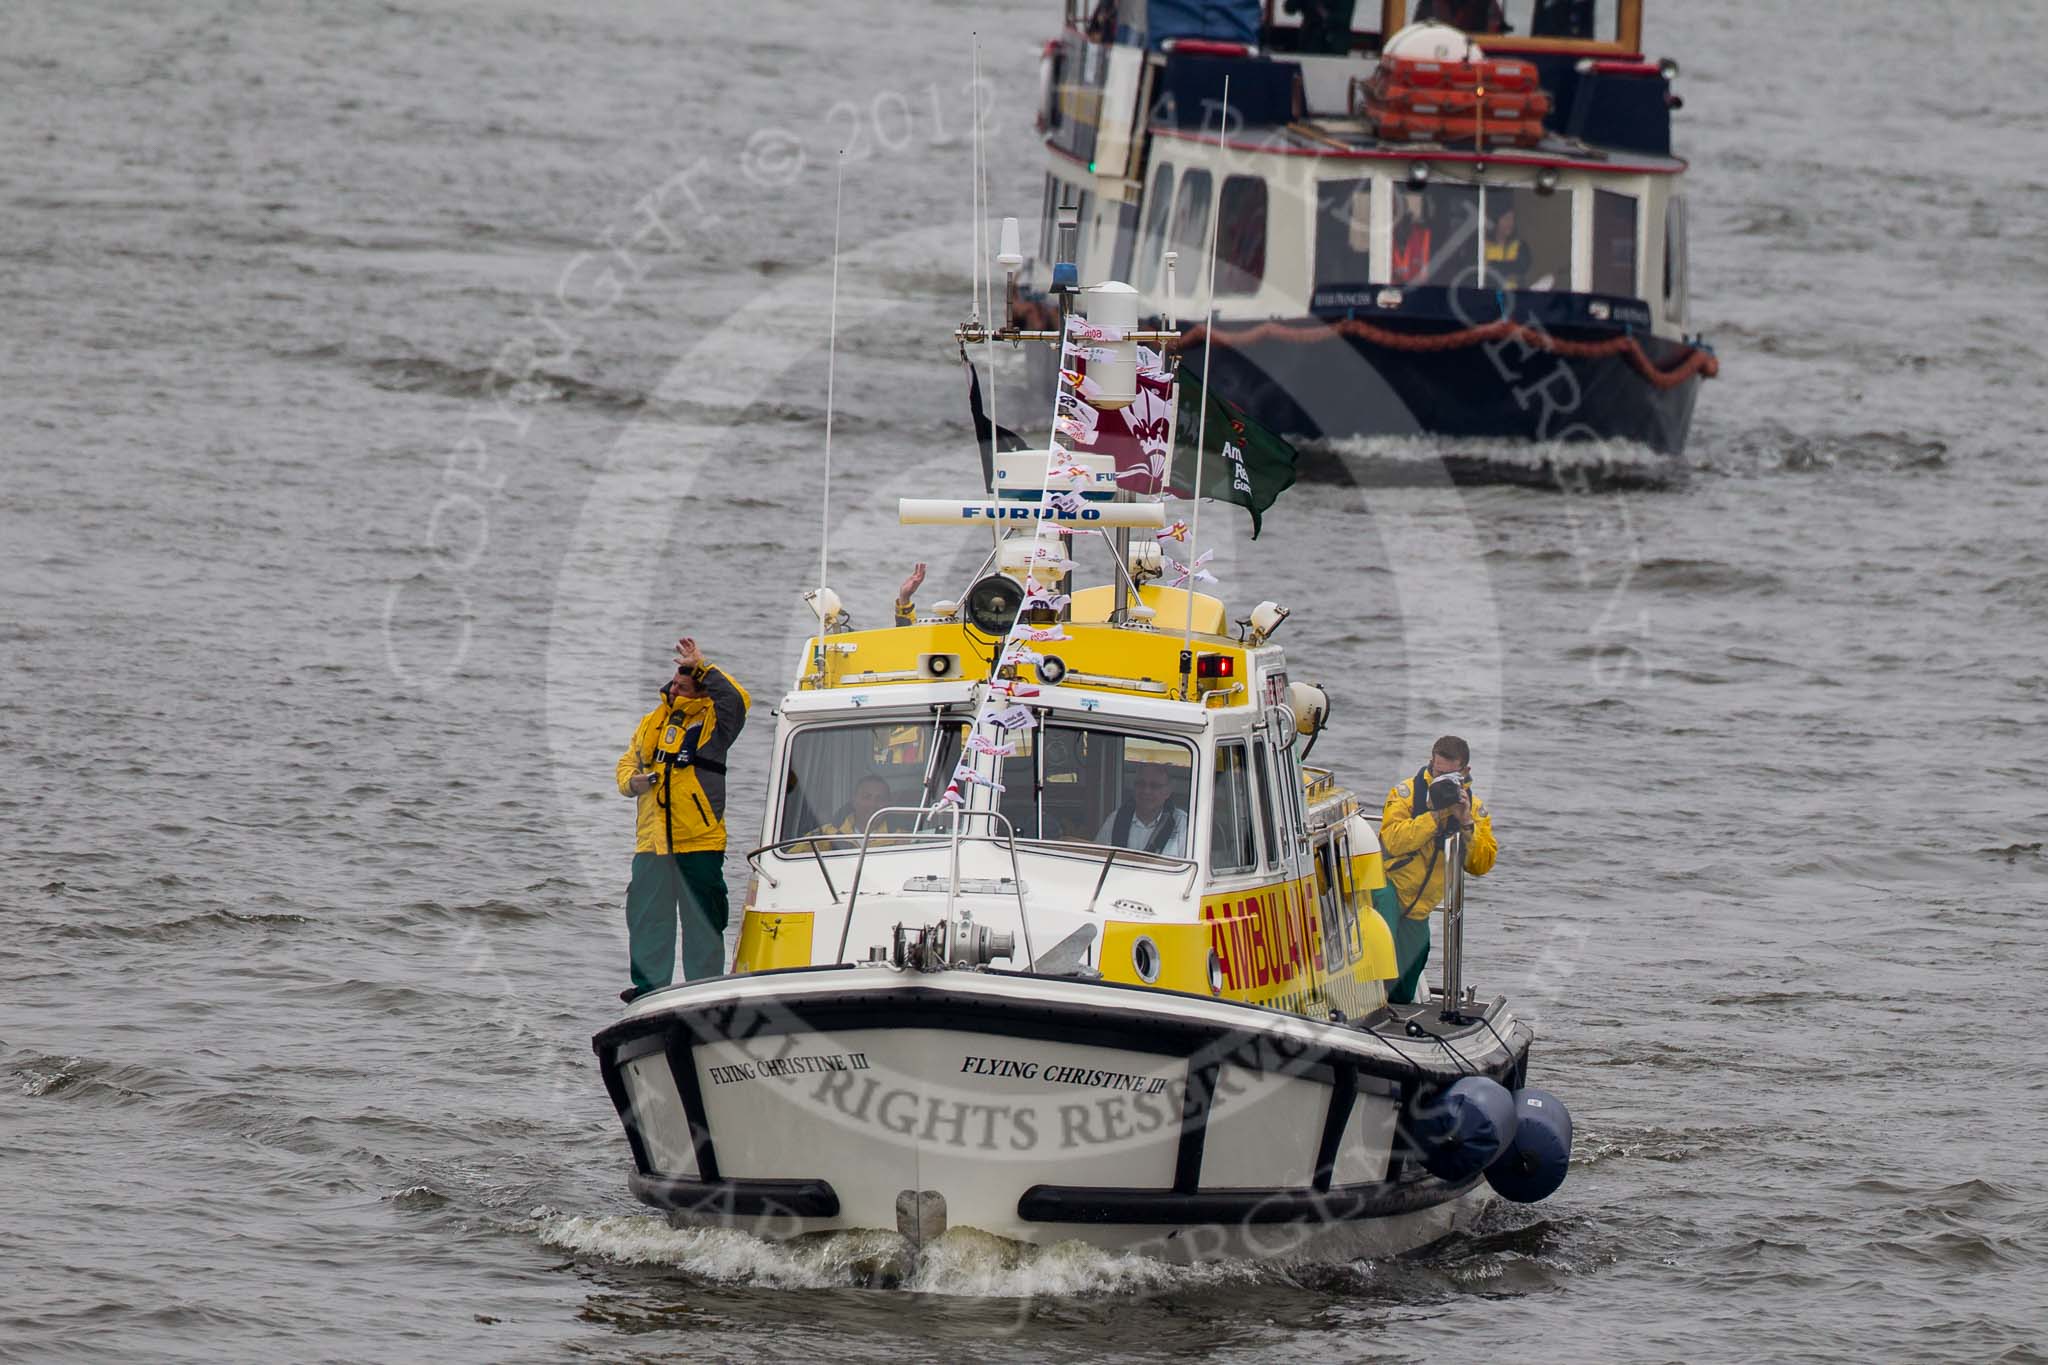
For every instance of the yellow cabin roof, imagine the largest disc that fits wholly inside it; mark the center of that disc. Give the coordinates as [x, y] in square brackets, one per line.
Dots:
[1126, 660]
[1095, 604]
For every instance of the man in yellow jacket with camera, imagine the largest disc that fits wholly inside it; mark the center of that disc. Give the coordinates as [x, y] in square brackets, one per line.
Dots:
[1413, 831]
[675, 767]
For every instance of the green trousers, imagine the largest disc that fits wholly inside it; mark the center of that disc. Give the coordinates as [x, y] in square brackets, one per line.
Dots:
[1411, 944]
[668, 888]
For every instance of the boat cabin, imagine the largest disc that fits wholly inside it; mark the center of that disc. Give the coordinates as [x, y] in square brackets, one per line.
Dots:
[1330, 202]
[1150, 838]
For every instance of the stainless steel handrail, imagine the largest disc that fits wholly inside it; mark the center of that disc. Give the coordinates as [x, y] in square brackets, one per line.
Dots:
[956, 836]
[1454, 920]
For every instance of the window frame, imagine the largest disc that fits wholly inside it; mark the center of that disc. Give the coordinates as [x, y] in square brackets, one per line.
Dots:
[1194, 254]
[1268, 827]
[944, 723]
[1055, 720]
[1324, 221]
[1247, 821]
[1152, 233]
[1239, 279]
[1603, 195]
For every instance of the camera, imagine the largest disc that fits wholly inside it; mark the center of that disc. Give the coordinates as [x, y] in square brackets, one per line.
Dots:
[1446, 790]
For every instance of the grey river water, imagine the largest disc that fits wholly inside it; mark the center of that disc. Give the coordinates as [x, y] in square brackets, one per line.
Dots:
[384, 385]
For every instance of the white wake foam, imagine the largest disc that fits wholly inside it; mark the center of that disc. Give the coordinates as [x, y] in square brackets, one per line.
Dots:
[963, 1262]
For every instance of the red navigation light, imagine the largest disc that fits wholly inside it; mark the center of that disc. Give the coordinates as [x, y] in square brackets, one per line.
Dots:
[1215, 666]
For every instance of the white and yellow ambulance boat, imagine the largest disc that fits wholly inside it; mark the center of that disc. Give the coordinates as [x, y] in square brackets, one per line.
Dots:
[1054, 934]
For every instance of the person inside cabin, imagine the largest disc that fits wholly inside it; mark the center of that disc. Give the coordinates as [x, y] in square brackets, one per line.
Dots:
[1411, 239]
[1148, 820]
[1102, 23]
[1412, 839]
[870, 795]
[1325, 24]
[1507, 256]
[1562, 19]
[1472, 16]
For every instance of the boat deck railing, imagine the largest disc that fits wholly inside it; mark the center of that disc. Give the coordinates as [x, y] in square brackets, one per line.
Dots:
[998, 831]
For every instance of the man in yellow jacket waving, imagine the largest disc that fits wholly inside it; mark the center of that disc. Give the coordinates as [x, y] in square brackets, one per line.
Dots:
[1412, 836]
[675, 766]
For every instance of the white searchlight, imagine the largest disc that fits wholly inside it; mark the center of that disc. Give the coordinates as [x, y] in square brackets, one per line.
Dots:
[1113, 304]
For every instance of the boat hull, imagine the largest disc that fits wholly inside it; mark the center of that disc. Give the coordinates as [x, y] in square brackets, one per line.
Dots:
[1334, 386]
[1036, 1109]
[1325, 388]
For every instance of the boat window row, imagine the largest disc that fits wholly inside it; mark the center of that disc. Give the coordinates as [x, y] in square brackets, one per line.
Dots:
[1074, 782]
[1177, 219]
[1445, 234]
[1570, 20]
[1256, 812]
[1580, 20]
[1065, 781]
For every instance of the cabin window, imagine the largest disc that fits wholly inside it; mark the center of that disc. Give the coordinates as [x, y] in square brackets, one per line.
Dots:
[1264, 797]
[838, 775]
[1677, 286]
[1153, 248]
[1343, 232]
[1351, 938]
[1614, 244]
[1115, 788]
[1342, 942]
[1232, 846]
[1191, 229]
[1241, 235]
[1579, 19]
[1436, 235]
[1528, 240]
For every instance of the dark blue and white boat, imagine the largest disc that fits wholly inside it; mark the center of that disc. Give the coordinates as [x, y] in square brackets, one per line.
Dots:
[1420, 228]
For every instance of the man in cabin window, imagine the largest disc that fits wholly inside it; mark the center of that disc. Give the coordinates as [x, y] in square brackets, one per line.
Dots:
[870, 794]
[1507, 256]
[1148, 820]
[675, 768]
[1412, 839]
[1472, 16]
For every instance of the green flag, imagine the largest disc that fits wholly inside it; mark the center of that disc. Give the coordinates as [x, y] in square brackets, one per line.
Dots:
[1245, 463]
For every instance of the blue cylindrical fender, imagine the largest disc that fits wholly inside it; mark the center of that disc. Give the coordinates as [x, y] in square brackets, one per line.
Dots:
[1466, 1129]
[1536, 1160]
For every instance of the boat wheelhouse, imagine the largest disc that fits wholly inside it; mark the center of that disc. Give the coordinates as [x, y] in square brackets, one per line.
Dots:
[1413, 234]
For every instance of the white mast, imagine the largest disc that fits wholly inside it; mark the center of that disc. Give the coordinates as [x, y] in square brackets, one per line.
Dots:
[831, 356]
[1187, 643]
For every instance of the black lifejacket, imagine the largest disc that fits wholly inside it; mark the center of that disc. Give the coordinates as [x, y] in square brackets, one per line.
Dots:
[1162, 833]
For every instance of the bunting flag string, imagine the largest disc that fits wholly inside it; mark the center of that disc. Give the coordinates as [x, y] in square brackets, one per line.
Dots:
[1075, 423]
[1181, 571]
